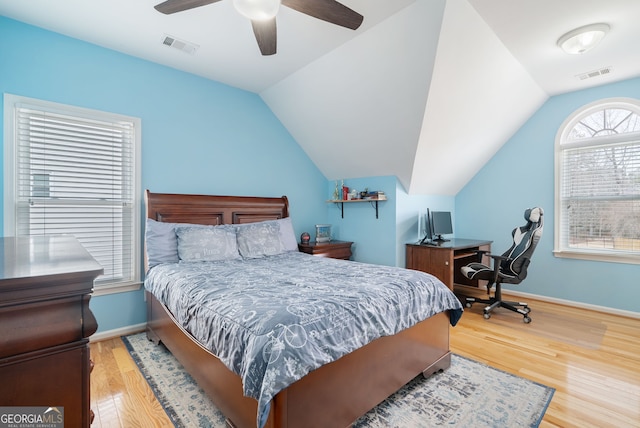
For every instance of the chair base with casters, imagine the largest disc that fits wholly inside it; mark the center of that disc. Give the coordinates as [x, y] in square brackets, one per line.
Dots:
[508, 268]
[497, 302]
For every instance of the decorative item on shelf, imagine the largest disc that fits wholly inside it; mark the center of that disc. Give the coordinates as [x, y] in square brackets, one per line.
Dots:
[305, 238]
[353, 194]
[374, 195]
[345, 193]
[337, 192]
[323, 232]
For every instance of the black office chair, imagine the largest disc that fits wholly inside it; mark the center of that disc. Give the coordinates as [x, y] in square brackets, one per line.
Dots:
[509, 268]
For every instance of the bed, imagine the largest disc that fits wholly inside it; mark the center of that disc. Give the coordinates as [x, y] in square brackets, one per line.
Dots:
[330, 393]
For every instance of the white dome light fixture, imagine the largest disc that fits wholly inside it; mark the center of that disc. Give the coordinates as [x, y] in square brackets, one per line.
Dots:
[257, 10]
[582, 39]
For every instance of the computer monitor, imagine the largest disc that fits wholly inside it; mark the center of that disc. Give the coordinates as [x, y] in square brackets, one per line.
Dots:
[426, 221]
[441, 225]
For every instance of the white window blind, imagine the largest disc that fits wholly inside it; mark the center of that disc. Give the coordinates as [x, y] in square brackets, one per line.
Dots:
[76, 174]
[599, 184]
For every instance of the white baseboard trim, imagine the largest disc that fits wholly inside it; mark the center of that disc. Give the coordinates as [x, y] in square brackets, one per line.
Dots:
[597, 308]
[117, 332]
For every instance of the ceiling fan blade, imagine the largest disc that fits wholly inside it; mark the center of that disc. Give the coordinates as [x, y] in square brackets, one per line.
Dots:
[327, 10]
[266, 35]
[172, 6]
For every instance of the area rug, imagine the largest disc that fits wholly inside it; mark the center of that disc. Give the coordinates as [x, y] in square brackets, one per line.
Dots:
[467, 394]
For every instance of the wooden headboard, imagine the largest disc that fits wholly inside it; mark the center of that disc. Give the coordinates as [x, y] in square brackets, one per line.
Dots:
[214, 210]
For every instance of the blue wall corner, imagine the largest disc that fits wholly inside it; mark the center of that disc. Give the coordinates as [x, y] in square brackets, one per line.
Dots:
[521, 175]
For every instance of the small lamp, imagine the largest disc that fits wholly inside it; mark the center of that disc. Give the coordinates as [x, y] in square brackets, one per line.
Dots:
[258, 10]
[582, 39]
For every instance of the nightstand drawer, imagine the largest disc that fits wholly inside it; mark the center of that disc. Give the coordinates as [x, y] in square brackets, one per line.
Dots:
[333, 249]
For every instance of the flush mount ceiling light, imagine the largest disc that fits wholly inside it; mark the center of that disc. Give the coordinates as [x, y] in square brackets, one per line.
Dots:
[259, 10]
[582, 39]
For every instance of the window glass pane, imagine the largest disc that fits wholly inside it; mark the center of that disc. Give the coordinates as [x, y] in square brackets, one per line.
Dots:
[599, 184]
[76, 175]
[605, 122]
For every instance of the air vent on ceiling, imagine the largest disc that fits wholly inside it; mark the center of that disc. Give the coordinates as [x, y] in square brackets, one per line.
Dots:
[594, 73]
[181, 45]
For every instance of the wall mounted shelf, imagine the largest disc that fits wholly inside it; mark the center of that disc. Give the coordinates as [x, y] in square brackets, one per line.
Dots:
[341, 202]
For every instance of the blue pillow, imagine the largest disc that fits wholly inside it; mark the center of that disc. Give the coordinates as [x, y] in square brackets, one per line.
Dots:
[210, 244]
[161, 241]
[286, 234]
[259, 239]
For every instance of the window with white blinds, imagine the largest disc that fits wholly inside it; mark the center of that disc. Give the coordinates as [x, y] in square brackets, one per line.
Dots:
[75, 171]
[598, 183]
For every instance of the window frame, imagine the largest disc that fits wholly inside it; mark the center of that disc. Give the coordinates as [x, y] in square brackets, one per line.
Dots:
[560, 247]
[10, 191]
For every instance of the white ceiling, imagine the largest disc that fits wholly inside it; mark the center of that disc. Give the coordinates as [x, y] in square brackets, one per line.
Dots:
[426, 90]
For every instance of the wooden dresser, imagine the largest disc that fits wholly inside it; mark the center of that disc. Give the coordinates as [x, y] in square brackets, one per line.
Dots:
[45, 321]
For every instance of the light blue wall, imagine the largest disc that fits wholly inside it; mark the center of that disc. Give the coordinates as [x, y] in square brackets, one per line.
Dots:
[198, 136]
[382, 240]
[521, 175]
[374, 239]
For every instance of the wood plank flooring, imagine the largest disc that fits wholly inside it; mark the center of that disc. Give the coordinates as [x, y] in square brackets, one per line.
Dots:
[591, 358]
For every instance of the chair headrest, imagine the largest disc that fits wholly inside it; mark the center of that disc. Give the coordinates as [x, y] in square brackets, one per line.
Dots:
[533, 214]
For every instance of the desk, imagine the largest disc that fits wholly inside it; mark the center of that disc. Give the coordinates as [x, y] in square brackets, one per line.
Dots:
[445, 260]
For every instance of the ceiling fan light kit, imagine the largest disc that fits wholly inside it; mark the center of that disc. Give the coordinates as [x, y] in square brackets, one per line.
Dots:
[262, 14]
[583, 39]
[259, 10]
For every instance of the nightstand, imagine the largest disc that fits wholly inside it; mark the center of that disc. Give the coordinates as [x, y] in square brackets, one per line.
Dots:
[333, 249]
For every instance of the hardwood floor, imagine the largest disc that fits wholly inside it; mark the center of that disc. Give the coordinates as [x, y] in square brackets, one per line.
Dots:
[120, 395]
[594, 366]
[591, 358]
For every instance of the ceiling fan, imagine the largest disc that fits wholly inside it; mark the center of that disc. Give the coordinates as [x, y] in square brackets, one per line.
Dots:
[262, 14]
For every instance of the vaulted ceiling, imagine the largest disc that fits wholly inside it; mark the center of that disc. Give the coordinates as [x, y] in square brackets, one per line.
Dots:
[426, 90]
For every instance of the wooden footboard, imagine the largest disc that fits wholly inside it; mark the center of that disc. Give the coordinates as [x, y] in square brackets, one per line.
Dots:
[334, 395]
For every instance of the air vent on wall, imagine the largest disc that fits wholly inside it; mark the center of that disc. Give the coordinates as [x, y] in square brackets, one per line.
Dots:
[181, 45]
[594, 73]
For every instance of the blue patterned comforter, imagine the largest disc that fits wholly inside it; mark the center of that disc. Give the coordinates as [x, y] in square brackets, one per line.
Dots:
[272, 320]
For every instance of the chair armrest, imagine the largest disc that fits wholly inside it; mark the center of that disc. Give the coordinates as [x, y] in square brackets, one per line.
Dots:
[497, 259]
[481, 254]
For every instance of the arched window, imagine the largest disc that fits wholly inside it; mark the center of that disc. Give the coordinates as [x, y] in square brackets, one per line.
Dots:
[597, 209]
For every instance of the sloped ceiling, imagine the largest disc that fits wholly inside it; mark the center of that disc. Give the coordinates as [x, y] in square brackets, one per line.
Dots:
[357, 111]
[426, 90]
[429, 104]
[479, 96]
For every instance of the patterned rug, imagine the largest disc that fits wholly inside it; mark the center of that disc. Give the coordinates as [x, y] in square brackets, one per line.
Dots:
[468, 394]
